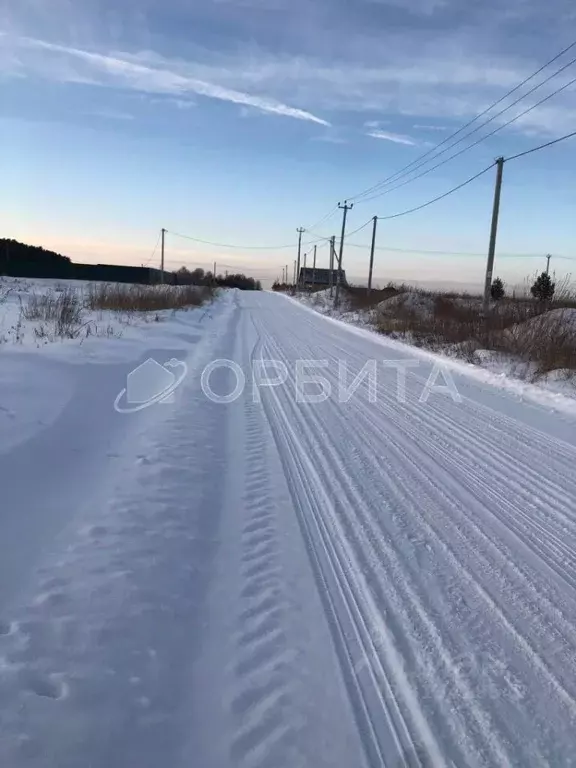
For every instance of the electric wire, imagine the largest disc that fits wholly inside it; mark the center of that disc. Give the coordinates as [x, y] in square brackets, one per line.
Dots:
[394, 176]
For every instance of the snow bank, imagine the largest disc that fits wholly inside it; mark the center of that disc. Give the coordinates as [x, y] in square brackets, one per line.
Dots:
[564, 318]
[39, 376]
[411, 301]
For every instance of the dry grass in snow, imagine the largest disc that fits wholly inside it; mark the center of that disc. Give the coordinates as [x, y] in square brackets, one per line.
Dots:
[44, 311]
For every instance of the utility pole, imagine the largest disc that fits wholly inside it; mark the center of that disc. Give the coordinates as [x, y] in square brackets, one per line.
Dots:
[300, 231]
[314, 269]
[548, 257]
[493, 232]
[286, 274]
[331, 274]
[294, 280]
[162, 256]
[344, 208]
[375, 220]
[304, 271]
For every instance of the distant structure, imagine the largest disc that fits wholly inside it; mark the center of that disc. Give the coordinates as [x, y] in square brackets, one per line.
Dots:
[21, 260]
[316, 278]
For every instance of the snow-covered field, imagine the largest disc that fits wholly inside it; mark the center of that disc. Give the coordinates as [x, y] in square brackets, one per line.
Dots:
[380, 579]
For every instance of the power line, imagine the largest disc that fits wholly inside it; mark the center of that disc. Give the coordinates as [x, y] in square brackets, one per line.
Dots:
[456, 253]
[359, 228]
[323, 219]
[431, 151]
[436, 199]
[154, 251]
[474, 144]
[478, 128]
[542, 146]
[241, 247]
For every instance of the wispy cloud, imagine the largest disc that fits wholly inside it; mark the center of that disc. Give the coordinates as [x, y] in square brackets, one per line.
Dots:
[396, 138]
[430, 127]
[376, 123]
[434, 62]
[118, 71]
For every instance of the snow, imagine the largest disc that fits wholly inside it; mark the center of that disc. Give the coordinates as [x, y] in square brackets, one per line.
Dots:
[502, 370]
[563, 317]
[412, 301]
[374, 580]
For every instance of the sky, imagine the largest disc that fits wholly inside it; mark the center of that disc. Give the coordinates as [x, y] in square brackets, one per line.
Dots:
[238, 121]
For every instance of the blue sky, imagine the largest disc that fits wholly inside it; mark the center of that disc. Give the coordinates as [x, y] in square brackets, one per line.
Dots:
[239, 120]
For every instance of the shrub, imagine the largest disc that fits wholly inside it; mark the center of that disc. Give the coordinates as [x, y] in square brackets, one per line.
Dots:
[61, 311]
[497, 291]
[120, 297]
[543, 287]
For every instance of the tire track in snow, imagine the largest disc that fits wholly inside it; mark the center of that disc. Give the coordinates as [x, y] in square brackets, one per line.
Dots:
[262, 701]
[389, 717]
[406, 618]
[415, 444]
[452, 444]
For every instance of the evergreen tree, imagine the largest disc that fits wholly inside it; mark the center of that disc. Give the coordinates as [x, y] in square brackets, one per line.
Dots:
[543, 288]
[497, 289]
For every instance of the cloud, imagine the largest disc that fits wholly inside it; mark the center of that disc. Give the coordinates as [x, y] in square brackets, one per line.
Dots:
[70, 64]
[183, 104]
[397, 138]
[433, 61]
[376, 123]
[430, 127]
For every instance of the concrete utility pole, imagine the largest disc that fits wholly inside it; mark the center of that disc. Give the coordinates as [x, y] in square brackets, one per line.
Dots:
[344, 208]
[286, 274]
[548, 257]
[375, 220]
[331, 273]
[493, 232]
[162, 256]
[300, 232]
[314, 268]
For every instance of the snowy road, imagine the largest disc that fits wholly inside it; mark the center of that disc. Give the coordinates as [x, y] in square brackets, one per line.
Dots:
[271, 583]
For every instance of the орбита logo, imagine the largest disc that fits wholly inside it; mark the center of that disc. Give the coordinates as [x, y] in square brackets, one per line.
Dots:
[150, 383]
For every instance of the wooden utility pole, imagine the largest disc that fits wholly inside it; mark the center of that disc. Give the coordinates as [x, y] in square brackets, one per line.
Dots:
[300, 232]
[344, 208]
[493, 233]
[375, 220]
[314, 269]
[162, 256]
[548, 257]
[331, 273]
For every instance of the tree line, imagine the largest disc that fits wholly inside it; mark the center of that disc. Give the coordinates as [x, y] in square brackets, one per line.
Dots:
[198, 276]
[12, 250]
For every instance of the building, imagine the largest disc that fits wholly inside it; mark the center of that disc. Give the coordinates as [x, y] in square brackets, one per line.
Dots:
[320, 278]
